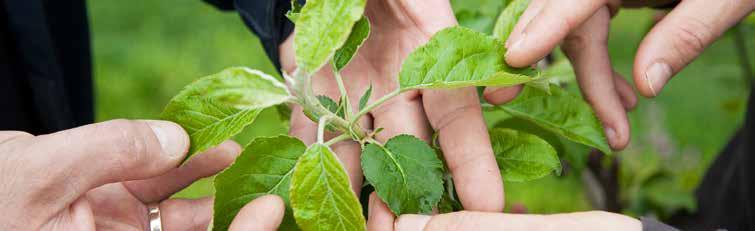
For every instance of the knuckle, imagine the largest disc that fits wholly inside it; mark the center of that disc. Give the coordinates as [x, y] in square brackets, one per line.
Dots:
[454, 114]
[130, 142]
[690, 36]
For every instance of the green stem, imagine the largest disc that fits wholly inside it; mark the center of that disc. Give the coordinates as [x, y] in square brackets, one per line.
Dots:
[321, 128]
[344, 94]
[337, 139]
[303, 90]
[373, 105]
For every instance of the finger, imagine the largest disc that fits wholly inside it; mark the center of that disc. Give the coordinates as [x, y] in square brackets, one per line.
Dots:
[498, 96]
[83, 158]
[626, 92]
[10, 135]
[203, 165]
[186, 214]
[587, 49]
[380, 217]
[548, 28]
[402, 115]
[263, 213]
[463, 135]
[680, 37]
[594, 220]
[302, 127]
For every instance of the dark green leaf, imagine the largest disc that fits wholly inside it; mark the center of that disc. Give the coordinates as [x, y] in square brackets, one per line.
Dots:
[322, 28]
[217, 107]
[575, 154]
[523, 156]
[406, 174]
[358, 35]
[321, 194]
[560, 113]
[459, 57]
[365, 98]
[265, 167]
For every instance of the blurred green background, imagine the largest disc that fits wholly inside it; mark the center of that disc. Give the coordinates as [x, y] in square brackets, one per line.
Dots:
[146, 51]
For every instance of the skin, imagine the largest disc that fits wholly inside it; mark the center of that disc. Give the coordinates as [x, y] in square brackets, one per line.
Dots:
[398, 27]
[581, 27]
[102, 177]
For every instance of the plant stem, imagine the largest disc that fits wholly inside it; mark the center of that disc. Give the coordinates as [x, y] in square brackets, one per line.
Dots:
[303, 91]
[321, 128]
[373, 105]
[344, 94]
[337, 139]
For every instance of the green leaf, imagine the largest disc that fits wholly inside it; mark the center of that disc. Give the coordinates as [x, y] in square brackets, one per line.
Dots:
[575, 154]
[508, 19]
[322, 27]
[321, 195]
[560, 113]
[478, 15]
[523, 156]
[406, 174]
[365, 98]
[217, 107]
[358, 35]
[459, 57]
[264, 167]
[293, 14]
[450, 200]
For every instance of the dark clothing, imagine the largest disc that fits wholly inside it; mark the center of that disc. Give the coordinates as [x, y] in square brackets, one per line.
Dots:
[46, 86]
[45, 65]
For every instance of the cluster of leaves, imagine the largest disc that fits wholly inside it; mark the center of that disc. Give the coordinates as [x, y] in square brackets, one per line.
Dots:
[405, 171]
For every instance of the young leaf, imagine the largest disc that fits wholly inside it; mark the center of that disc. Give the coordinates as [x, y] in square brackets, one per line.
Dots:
[265, 167]
[459, 57]
[321, 28]
[450, 200]
[365, 98]
[523, 156]
[560, 113]
[406, 174]
[217, 107]
[293, 14]
[358, 35]
[508, 18]
[321, 195]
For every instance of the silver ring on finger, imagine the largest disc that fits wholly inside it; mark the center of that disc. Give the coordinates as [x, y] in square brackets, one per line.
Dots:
[153, 215]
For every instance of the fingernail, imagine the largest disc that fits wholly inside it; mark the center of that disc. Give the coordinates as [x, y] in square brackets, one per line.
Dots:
[412, 222]
[516, 45]
[610, 134]
[656, 76]
[173, 139]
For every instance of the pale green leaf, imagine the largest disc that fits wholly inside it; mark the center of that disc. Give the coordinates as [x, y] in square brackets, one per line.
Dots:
[365, 98]
[358, 35]
[573, 153]
[459, 57]
[322, 27]
[522, 156]
[321, 194]
[217, 107]
[561, 113]
[264, 167]
[293, 14]
[508, 19]
[406, 174]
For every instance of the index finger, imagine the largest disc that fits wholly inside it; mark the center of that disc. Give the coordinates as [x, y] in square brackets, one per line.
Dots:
[547, 28]
[457, 116]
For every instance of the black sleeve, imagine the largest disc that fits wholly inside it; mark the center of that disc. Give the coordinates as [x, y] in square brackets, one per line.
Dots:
[650, 224]
[266, 18]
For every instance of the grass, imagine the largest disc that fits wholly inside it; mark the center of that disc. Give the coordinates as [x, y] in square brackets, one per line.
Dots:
[146, 51]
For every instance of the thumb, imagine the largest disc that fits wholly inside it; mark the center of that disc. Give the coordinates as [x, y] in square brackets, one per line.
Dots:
[86, 157]
[680, 37]
[262, 214]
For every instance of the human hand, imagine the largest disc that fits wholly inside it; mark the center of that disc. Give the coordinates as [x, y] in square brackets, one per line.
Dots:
[263, 213]
[398, 27]
[582, 26]
[102, 176]
[381, 219]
